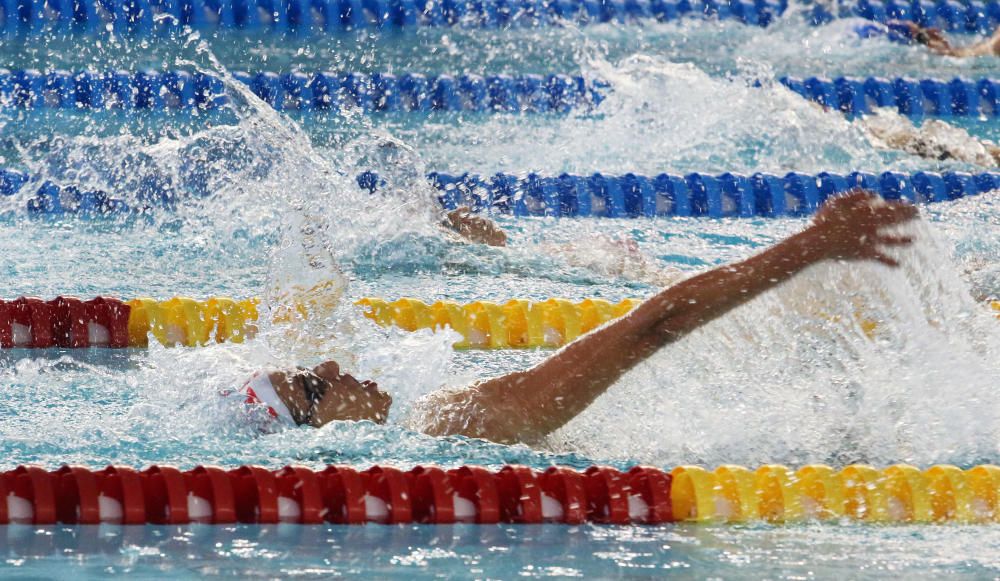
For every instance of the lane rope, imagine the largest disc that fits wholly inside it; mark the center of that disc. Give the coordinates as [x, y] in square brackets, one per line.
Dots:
[415, 92]
[303, 17]
[69, 322]
[150, 18]
[700, 195]
[916, 98]
[513, 495]
[327, 90]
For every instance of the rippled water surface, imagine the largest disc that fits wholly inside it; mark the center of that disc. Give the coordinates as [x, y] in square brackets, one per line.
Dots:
[681, 551]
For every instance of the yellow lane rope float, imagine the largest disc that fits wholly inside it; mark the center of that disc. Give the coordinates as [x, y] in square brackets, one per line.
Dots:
[899, 493]
[514, 324]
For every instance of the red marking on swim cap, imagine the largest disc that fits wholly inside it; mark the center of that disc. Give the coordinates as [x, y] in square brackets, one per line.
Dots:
[253, 399]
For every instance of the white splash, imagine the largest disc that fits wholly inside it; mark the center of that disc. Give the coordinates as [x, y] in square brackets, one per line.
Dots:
[799, 375]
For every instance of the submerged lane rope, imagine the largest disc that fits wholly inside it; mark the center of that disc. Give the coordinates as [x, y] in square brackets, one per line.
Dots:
[725, 195]
[108, 322]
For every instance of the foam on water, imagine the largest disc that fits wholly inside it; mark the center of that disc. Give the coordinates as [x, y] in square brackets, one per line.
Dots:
[666, 116]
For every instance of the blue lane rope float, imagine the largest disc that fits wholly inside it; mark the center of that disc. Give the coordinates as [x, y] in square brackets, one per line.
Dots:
[150, 17]
[598, 195]
[969, 16]
[149, 90]
[912, 97]
[414, 92]
[147, 17]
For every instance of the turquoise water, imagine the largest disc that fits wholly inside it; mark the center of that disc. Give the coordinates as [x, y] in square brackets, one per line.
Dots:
[406, 552]
[789, 378]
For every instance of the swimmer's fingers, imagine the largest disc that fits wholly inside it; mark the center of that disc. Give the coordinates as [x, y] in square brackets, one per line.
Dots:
[886, 260]
[913, 27]
[895, 240]
[848, 201]
[873, 254]
[934, 34]
[895, 212]
[855, 196]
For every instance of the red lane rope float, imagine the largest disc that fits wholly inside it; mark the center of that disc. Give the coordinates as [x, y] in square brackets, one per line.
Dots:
[337, 494]
[64, 322]
[514, 494]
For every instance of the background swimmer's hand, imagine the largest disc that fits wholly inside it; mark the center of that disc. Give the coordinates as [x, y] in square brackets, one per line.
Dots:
[848, 227]
[474, 228]
[918, 33]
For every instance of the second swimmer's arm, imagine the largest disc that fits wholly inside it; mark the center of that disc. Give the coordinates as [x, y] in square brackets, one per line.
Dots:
[528, 405]
[936, 42]
[475, 228]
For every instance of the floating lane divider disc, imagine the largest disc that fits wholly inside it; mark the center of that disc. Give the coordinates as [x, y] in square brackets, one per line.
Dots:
[967, 16]
[955, 97]
[107, 322]
[415, 92]
[513, 495]
[160, 91]
[301, 17]
[110, 322]
[695, 195]
[149, 18]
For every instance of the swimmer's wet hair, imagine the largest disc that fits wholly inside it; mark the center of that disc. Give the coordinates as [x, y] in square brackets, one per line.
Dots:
[314, 386]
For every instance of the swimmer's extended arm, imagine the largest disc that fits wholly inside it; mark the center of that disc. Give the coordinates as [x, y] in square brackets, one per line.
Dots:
[936, 42]
[525, 406]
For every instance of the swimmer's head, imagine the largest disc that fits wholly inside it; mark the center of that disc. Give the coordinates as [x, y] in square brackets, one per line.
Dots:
[324, 394]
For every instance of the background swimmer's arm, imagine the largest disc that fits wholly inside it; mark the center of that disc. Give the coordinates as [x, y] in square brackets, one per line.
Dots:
[475, 228]
[989, 47]
[528, 405]
[936, 42]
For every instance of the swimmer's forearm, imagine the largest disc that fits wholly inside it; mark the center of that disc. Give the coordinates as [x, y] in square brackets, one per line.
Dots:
[604, 355]
[979, 49]
[700, 299]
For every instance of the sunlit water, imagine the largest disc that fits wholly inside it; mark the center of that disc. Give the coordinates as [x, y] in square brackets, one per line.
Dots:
[789, 378]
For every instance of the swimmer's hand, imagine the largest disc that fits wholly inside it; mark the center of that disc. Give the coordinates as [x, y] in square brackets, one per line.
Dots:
[932, 38]
[848, 227]
[474, 228]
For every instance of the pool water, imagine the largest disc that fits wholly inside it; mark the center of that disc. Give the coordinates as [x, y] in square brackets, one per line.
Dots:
[406, 552]
[789, 378]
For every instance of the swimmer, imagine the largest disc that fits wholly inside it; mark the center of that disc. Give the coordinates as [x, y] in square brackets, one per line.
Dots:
[936, 42]
[525, 406]
[401, 173]
[934, 139]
